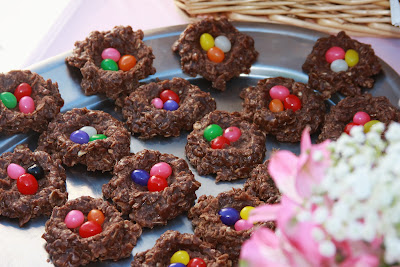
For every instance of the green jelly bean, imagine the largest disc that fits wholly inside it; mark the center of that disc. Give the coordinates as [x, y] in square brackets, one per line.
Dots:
[97, 136]
[9, 100]
[212, 131]
[109, 64]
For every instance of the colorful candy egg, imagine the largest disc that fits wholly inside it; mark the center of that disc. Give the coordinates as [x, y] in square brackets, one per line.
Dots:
[351, 57]
[79, 137]
[334, 53]
[22, 90]
[26, 105]
[161, 169]
[96, 216]
[339, 65]
[27, 184]
[74, 219]
[157, 103]
[229, 216]
[219, 142]
[170, 105]
[126, 62]
[232, 134]
[89, 130]
[243, 225]
[279, 92]
[141, 177]
[180, 256]
[212, 131]
[8, 99]
[156, 184]
[206, 41]
[35, 170]
[109, 64]
[292, 102]
[223, 43]
[15, 170]
[90, 228]
[111, 53]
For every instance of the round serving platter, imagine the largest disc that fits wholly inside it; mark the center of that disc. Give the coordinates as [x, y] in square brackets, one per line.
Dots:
[283, 49]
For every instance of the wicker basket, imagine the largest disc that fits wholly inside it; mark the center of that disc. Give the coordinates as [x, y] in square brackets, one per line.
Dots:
[356, 17]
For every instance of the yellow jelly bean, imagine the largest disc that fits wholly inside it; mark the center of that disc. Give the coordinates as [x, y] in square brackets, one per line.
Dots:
[206, 41]
[351, 57]
[180, 256]
[244, 213]
[368, 125]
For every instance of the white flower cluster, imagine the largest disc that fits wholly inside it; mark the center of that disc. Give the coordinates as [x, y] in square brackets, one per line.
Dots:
[359, 198]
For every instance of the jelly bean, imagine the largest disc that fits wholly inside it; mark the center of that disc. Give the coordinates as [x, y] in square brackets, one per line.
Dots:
[279, 92]
[89, 229]
[111, 53]
[361, 118]
[96, 216]
[127, 62]
[161, 169]
[244, 213]
[177, 264]
[232, 134]
[339, 65]
[109, 64]
[229, 216]
[223, 43]
[292, 102]
[36, 171]
[206, 41]
[215, 54]
[170, 105]
[212, 131]
[219, 142]
[141, 177]
[26, 105]
[9, 100]
[243, 225]
[97, 137]
[180, 256]
[74, 219]
[157, 103]
[89, 130]
[351, 57]
[157, 184]
[79, 137]
[368, 125]
[348, 127]
[15, 170]
[334, 53]
[196, 262]
[22, 90]
[275, 105]
[169, 94]
[27, 184]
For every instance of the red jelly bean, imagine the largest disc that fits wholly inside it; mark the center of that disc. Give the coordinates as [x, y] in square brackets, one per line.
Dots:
[90, 228]
[215, 54]
[275, 105]
[27, 184]
[334, 53]
[169, 95]
[126, 62]
[96, 216]
[361, 118]
[220, 142]
[348, 127]
[196, 262]
[156, 184]
[22, 90]
[292, 102]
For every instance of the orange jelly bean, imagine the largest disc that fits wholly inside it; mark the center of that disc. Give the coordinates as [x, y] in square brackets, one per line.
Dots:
[96, 216]
[126, 62]
[276, 105]
[215, 54]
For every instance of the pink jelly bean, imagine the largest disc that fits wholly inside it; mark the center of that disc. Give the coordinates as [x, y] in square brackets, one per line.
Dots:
[232, 134]
[15, 170]
[26, 105]
[243, 225]
[334, 53]
[111, 53]
[161, 169]
[74, 219]
[279, 92]
[361, 118]
[157, 103]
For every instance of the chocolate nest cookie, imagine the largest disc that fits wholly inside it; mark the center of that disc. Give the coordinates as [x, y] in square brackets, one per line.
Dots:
[194, 59]
[51, 191]
[148, 208]
[147, 120]
[100, 154]
[261, 185]
[87, 56]
[46, 97]
[231, 162]
[348, 83]
[209, 227]
[377, 107]
[66, 246]
[286, 125]
[172, 241]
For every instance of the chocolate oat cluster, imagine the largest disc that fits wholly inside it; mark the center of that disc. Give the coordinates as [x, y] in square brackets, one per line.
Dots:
[216, 50]
[166, 108]
[28, 102]
[341, 64]
[115, 84]
[99, 148]
[31, 184]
